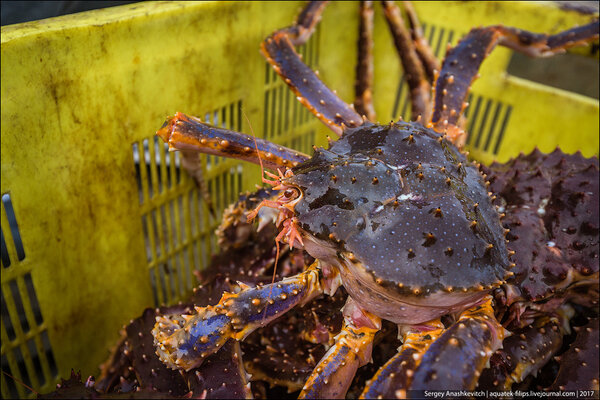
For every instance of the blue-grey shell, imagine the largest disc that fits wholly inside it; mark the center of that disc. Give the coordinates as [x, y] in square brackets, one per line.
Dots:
[404, 202]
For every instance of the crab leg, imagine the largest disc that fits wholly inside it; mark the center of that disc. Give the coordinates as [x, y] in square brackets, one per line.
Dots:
[352, 349]
[190, 134]
[363, 88]
[440, 360]
[234, 317]
[579, 368]
[395, 376]
[462, 62]
[429, 60]
[310, 90]
[523, 354]
[456, 359]
[190, 160]
[420, 87]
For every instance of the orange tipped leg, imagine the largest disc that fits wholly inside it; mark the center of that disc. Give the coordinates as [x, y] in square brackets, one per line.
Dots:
[395, 376]
[456, 359]
[190, 134]
[434, 358]
[352, 349]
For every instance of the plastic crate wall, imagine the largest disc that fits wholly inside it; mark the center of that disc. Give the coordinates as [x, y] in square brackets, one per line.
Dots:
[98, 219]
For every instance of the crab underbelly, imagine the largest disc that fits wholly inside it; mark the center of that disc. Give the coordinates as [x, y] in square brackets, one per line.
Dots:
[401, 308]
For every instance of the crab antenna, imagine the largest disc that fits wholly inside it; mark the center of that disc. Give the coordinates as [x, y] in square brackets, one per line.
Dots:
[262, 169]
[262, 175]
[19, 382]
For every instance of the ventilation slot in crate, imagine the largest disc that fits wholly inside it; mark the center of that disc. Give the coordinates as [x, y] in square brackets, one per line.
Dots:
[486, 123]
[27, 356]
[178, 217]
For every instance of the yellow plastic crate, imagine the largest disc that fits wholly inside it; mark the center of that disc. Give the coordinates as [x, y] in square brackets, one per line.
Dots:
[99, 222]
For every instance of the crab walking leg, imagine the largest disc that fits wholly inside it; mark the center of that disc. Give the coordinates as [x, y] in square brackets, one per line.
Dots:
[414, 73]
[190, 134]
[579, 369]
[310, 90]
[363, 87]
[352, 349]
[234, 317]
[462, 62]
[429, 60]
[455, 360]
[190, 160]
[395, 376]
[524, 353]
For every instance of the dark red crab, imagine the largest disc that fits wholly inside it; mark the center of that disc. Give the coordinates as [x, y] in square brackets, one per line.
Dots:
[394, 213]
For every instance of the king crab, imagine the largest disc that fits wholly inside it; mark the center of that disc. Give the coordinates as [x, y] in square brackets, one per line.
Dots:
[412, 230]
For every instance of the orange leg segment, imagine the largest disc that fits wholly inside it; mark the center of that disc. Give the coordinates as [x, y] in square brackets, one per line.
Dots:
[190, 134]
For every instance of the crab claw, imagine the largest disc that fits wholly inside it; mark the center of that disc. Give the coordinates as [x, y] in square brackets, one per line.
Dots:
[184, 341]
[185, 347]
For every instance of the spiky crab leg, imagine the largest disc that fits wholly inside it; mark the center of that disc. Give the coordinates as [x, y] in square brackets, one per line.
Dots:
[310, 90]
[456, 359]
[436, 360]
[186, 345]
[363, 88]
[190, 134]
[579, 367]
[419, 86]
[523, 353]
[462, 62]
[429, 60]
[352, 349]
[395, 376]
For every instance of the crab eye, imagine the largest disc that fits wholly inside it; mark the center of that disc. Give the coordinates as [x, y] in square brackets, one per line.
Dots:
[291, 193]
